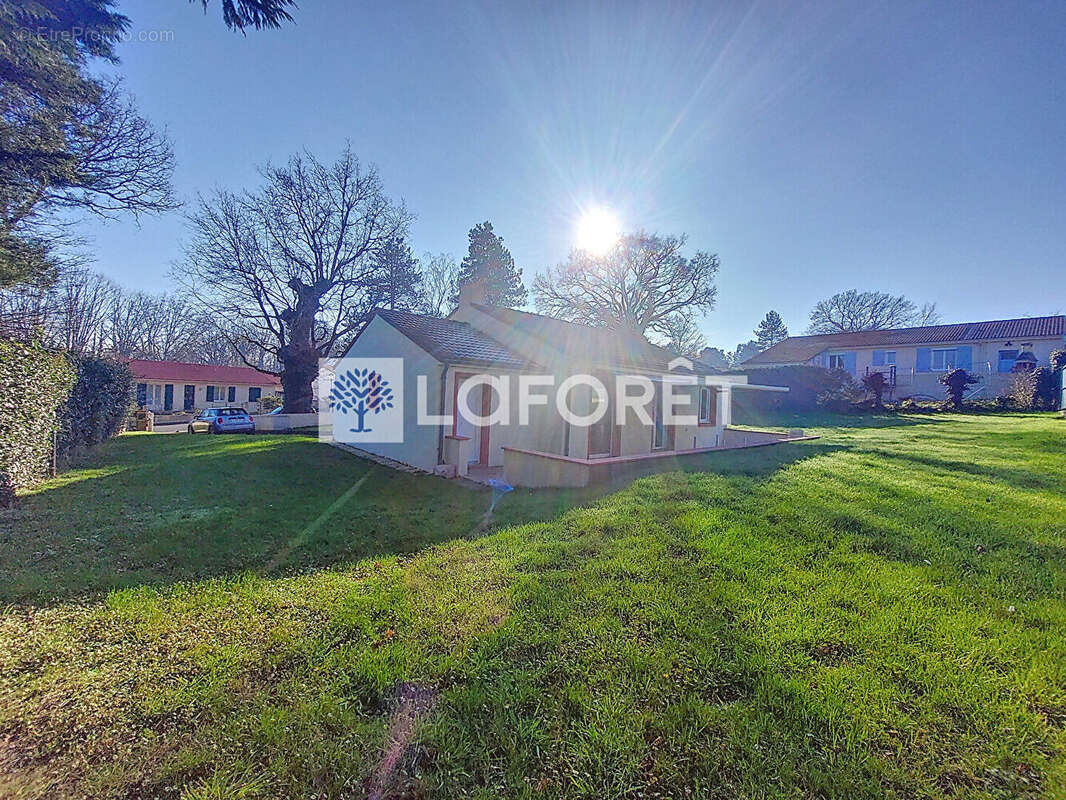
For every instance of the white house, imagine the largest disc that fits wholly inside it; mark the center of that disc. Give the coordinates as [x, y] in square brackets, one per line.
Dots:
[178, 386]
[913, 359]
[479, 339]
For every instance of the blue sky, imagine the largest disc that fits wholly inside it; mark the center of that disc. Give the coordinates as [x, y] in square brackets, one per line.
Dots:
[910, 147]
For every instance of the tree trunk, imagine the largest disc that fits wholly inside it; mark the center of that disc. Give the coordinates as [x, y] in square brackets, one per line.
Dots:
[299, 358]
[298, 374]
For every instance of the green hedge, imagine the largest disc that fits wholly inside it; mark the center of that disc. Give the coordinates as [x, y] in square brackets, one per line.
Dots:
[809, 388]
[33, 386]
[98, 404]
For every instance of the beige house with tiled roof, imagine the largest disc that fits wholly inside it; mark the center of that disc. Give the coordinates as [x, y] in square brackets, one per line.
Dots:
[913, 359]
[479, 339]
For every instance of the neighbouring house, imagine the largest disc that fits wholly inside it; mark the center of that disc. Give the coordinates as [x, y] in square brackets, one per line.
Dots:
[913, 359]
[164, 386]
[479, 339]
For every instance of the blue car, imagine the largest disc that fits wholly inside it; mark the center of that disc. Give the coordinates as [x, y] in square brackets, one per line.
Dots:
[222, 420]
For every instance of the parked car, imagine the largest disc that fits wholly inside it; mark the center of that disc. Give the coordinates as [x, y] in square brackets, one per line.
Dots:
[222, 420]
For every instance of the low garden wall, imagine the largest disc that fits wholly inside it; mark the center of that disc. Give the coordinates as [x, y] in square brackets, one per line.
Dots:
[284, 422]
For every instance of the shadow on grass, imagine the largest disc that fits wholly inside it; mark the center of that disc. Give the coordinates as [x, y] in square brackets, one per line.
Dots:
[824, 419]
[155, 510]
[1017, 478]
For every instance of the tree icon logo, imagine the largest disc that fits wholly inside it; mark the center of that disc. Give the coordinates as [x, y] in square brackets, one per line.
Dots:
[360, 392]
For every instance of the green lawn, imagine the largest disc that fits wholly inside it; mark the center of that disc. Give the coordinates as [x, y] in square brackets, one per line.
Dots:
[878, 613]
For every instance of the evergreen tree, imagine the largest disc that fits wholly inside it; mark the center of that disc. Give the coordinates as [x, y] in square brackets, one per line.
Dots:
[397, 276]
[489, 262]
[744, 351]
[770, 331]
[69, 138]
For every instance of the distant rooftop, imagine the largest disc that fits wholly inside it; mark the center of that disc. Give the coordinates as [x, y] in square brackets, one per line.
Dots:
[185, 372]
[797, 349]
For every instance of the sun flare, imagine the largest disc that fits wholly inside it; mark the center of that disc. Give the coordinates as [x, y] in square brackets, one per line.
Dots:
[597, 231]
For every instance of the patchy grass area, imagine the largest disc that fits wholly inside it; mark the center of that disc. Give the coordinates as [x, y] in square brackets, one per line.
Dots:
[880, 613]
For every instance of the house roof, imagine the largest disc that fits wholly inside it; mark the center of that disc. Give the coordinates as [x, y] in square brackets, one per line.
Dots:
[184, 372]
[586, 344]
[452, 341]
[796, 349]
[539, 339]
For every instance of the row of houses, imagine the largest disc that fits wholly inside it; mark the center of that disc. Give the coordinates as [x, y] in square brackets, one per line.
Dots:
[176, 386]
[913, 359]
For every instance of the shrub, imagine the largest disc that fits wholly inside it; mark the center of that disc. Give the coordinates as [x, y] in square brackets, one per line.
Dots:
[842, 398]
[875, 385]
[34, 383]
[914, 406]
[270, 402]
[956, 382]
[806, 386]
[1058, 360]
[98, 404]
[1036, 390]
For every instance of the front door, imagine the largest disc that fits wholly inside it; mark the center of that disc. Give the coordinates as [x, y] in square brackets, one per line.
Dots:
[480, 403]
[190, 397]
[662, 437]
[601, 432]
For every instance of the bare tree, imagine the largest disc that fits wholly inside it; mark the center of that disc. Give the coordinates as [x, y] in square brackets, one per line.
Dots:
[290, 266]
[850, 311]
[684, 336]
[81, 302]
[641, 284]
[128, 324]
[70, 312]
[440, 280]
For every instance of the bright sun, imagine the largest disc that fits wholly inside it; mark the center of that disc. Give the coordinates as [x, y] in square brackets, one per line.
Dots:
[597, 231]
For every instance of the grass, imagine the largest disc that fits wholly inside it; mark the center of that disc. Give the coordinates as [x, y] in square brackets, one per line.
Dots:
[878, 613]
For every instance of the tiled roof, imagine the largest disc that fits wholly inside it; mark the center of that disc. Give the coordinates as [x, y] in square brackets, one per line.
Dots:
[796, 349]
[586, 344]
[183, 372]
[451, 341]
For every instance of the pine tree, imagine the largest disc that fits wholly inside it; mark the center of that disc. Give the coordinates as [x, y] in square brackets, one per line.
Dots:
[397, 276]
[770, 331]
[489, 262]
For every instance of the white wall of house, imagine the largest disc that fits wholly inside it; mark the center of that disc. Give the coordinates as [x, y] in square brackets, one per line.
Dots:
[984, 363]
[155, 394]
[548, 432]
[419, 447]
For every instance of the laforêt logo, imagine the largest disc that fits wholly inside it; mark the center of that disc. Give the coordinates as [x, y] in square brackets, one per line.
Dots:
[366, 400]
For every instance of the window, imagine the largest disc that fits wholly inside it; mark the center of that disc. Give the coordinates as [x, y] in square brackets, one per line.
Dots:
[254, 393]
[890, 356]
[658, 437]
[231, 394]
[210, 394]
[943, 359]
[836, 361]
[708, 398]
[142, 394]
[1007, 359]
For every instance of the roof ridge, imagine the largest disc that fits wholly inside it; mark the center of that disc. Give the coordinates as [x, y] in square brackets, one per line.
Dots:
[928, 327]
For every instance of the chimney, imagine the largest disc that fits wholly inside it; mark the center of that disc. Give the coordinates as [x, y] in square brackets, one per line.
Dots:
[476, 291]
